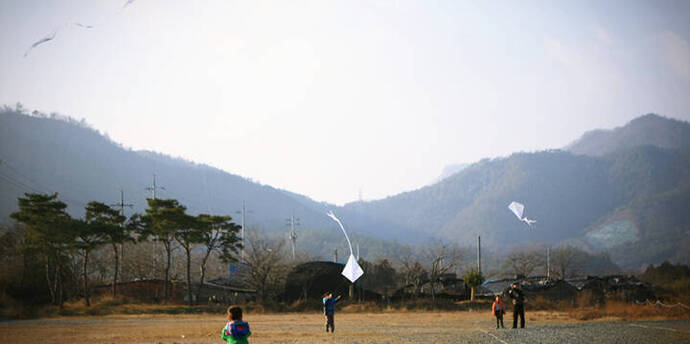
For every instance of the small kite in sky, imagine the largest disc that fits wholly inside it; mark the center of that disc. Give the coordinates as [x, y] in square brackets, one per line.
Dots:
[82, 25]
[127, 3]
[518, 209]
[352, 270]
[52, 35]
[47, 38]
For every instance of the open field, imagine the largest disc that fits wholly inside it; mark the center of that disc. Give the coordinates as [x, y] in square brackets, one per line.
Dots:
[395, 327]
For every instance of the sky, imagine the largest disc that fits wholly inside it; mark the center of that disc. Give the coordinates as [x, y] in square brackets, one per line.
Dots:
[337, 99]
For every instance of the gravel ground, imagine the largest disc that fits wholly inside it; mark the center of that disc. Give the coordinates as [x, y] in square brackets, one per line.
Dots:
[670, 331]
[643, 332]
[398, 328]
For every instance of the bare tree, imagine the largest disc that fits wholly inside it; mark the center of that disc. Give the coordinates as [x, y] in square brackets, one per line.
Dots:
[442, 258]
[567, 261]
[265, 259]
[413, 273]
[522, 262]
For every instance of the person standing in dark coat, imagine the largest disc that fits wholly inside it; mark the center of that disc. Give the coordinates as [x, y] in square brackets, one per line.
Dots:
[329, 310]
[518, 297]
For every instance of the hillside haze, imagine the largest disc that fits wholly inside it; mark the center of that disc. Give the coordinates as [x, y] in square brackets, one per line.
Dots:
[611, 190]
[647, 130]
[630, 192]
[49, 154]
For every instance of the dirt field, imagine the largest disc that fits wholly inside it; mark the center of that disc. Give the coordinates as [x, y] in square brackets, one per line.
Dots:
[401, 327]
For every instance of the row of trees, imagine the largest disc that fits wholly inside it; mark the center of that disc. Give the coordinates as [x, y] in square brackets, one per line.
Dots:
[53, 240]
[59, 246]
[564, 261]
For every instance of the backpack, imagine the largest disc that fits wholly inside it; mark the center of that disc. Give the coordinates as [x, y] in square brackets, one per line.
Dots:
[239, 329]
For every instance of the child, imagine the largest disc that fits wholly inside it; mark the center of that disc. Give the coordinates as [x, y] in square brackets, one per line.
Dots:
[236, 331]
[329, 310]
[498, 309]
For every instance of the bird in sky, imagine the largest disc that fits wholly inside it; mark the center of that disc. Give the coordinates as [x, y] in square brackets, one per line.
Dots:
[52, 35]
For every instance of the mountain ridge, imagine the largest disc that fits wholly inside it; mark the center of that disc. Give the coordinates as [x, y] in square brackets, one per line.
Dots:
[596, 201]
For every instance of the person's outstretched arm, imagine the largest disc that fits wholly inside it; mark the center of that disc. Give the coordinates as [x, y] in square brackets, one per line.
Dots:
[225, 334]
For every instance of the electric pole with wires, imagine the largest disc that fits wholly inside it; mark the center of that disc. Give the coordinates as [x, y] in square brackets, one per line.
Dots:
[122, 206]
[122, 203]
[292, 222]
[243, 212]
[154, 188]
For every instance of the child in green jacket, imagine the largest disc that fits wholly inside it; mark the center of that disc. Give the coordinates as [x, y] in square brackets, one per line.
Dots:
[236, 331]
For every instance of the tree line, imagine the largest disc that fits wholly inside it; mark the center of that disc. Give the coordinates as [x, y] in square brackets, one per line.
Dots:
[54, 252]
[53, 242]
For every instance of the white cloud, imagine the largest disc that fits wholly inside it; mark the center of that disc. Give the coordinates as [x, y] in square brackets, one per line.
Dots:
[676, 52]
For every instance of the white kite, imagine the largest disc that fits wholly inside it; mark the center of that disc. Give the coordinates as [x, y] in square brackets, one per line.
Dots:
[518, 209]
[52, 35]
[352, 270]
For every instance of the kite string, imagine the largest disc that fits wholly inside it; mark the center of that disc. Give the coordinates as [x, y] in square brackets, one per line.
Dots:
[331, 215]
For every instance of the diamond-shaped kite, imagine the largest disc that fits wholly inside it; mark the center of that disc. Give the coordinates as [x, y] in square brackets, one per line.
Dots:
[352, 270]
[518, 209]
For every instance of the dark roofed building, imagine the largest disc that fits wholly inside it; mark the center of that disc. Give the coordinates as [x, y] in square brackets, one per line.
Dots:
[313, 279]
[448, 286]
[629, 288]
[533, 286]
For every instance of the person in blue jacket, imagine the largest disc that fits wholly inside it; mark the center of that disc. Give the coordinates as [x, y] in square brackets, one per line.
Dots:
[329, 310]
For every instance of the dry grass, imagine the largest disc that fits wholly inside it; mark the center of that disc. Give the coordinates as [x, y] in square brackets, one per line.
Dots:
[352, 324]
[626, 311]
[266, 328]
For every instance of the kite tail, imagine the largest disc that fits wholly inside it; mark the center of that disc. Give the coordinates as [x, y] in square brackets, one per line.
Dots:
[331, 215]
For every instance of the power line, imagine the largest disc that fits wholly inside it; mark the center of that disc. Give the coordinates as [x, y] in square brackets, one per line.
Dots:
[23, 187]
[32, 184]
[18, 184]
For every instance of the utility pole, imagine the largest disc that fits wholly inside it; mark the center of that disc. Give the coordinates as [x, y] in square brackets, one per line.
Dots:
[548, 263]
[244, 211]
[335, 257]
[292, 222]
[479, 254]
[154, 188]
[122, 206]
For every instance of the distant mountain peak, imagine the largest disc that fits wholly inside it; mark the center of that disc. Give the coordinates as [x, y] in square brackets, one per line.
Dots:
[647, 130]
[449, 170]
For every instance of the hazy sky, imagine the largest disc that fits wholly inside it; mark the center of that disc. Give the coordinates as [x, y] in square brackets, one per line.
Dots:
[326, 98]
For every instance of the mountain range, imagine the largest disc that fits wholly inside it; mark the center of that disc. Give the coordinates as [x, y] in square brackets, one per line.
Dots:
[625, 191]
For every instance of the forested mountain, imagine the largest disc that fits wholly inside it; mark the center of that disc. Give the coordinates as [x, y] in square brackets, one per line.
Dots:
[628, 197]
[633, 196]
[46, 154]
[647, 130]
